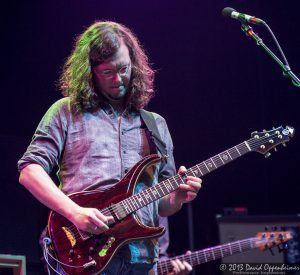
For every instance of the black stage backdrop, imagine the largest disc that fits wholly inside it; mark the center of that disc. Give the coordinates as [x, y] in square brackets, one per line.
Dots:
[214, 86]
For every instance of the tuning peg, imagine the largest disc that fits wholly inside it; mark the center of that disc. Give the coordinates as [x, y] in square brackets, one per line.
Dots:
[284, 144]
[254, 132]
[275, 149]
[267, 154]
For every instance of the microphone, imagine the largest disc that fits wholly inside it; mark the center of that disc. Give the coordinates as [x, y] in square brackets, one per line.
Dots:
[232, 13]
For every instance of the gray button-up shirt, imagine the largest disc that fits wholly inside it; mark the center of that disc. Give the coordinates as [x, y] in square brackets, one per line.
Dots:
[95, 150]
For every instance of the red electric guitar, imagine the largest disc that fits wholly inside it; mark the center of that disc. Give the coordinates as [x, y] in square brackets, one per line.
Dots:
[80, 252]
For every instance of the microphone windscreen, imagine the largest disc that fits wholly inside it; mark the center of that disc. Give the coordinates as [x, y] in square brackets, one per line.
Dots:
[227, 12]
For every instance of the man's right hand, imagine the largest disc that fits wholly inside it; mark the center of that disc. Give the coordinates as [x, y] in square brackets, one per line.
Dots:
[91, 220]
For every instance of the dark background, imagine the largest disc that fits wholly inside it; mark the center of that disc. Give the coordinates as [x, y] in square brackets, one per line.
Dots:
[214, 86]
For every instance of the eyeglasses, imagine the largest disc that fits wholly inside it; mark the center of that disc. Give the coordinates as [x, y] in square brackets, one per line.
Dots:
[110, 73]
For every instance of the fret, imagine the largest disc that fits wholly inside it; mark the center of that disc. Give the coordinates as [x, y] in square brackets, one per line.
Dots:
[166, 266]
[129, 206]
[179, 177]
[237, 150]
[134, 202]
[234, 153]
[154, 192]
[229, 154]
[147, 196]
[190, 259]
[124, 207]
[210, 165]
[168, 185]
[230, 248]
[205, 256]
[206, 166]
[140, 199]
[198, 170]
[221, 158]
[225, 251]
[124, 204]
[242, 148]
[217, 161]
[239, 243]
[203, 167]
[160, 186]
[208, 255]
[197, 258]
[192, 172]
[251, 243]
[150, 193]
[213, 254]
[221, 252]
[247, 146]
[213, 163]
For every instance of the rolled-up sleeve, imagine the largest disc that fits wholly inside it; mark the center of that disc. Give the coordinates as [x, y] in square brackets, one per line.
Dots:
[48, 140]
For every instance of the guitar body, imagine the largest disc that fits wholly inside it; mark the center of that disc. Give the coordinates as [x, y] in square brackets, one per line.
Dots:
[77, 248]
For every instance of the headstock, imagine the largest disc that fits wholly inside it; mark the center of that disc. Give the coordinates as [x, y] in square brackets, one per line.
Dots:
[267, 240]
[264, 141]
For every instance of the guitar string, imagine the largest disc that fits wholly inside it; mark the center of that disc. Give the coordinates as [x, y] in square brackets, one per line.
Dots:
[241, 148]
[209, 254]
[252, 142]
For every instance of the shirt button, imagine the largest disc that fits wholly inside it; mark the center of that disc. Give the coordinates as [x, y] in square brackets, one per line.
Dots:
[124, 152]
[126, 170]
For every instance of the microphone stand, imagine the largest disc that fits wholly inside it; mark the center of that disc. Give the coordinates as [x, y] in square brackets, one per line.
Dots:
[285, 68]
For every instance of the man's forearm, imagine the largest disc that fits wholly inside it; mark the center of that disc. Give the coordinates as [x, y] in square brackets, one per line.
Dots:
[168, 205]
[38, 182]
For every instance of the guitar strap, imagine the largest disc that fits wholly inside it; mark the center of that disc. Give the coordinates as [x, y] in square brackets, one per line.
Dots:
[150, 122]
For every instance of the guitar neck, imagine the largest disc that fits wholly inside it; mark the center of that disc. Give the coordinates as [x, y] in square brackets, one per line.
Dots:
[166, 187]
[209, 254]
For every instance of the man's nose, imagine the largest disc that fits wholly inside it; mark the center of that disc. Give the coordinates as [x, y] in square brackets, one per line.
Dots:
[117, 77]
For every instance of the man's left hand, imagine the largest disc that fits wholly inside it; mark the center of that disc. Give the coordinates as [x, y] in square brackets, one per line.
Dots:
[187, 191]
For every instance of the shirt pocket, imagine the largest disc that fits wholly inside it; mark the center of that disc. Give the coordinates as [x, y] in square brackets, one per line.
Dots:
[132, 139]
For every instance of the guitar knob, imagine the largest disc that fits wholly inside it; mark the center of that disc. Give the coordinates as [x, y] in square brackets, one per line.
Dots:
[72, 253]
[92, 250]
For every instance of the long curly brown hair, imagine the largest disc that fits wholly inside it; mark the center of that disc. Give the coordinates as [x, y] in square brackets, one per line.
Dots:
[97, 43]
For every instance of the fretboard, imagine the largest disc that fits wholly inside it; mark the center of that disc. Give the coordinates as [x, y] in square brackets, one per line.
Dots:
[165, 187]
[209, 254]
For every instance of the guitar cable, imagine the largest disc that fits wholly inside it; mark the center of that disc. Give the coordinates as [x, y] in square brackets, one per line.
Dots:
[47, 253]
